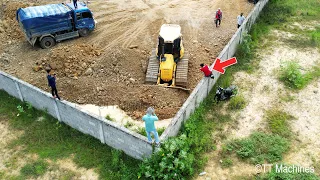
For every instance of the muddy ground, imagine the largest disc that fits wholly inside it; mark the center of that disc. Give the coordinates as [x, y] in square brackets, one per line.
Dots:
[108, 67]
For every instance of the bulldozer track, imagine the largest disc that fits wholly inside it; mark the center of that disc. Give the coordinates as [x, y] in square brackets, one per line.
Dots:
[153, 68]
[182, 71]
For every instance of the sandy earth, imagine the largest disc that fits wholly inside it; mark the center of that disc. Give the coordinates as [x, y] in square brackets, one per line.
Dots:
[103, 68]
[263, 91]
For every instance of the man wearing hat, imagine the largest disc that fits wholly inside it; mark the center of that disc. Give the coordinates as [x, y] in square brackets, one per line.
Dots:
[149, 120]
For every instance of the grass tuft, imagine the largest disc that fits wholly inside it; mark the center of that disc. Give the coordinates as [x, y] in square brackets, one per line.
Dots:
[237, 103]
[258, 148]
[278, 122]
[226, 163]
[291, 75]
[34, 169]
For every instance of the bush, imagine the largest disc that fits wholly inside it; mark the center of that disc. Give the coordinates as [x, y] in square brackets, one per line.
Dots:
[274, 175]
[226, 163]
[34, 169]
[291, 75]
[237, 103]
[172, 161]
[142, 131]
[278, 122]
[258, 148]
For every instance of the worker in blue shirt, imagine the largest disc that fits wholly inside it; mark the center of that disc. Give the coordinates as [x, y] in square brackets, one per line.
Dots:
[52, 83]
[149, 120]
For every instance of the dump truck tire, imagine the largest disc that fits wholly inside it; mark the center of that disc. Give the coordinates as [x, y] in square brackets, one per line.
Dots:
[47, 42]
[84, 32]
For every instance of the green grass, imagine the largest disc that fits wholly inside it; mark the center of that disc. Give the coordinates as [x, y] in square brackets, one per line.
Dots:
[34, 169]
[291, 75]
[287, 98]
[237, 103]
[142, 131]
[108, 117]
[226, 163]
[52, 140]
[278, 122]
[258, 148]
[128, 124]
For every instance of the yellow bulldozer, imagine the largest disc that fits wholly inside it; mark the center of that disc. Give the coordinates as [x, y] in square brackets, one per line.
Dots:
[168, 63]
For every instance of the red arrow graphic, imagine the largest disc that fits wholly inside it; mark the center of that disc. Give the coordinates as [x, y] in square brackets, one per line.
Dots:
[220, 66]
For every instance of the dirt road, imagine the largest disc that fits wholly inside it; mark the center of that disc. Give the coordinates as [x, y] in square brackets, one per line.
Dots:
[108, 67]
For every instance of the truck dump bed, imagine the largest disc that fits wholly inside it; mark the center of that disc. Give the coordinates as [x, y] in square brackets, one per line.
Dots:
[47, 19]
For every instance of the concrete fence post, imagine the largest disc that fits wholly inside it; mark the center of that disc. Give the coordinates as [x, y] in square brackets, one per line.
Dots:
[208, 87]
[57, 110]
[19, 91]
[102, 139]
[240, 39]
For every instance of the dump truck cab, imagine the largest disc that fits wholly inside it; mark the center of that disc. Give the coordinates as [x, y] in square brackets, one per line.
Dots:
[83, 18]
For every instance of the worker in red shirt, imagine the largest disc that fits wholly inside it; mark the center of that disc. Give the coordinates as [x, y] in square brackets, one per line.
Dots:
[207, 72]
[218, 17]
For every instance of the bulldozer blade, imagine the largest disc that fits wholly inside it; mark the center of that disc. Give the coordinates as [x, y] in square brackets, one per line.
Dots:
[172, 87]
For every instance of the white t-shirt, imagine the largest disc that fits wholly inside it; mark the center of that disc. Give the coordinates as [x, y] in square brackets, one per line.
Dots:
[241, 19]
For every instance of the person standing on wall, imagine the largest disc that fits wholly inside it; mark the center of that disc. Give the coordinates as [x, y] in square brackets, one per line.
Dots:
[75, 4]
[241, 19]
[149, 120]
[218, 17]
[52, 83]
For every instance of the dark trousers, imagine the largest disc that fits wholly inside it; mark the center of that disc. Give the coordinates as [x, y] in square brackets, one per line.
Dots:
[75, 3]
[54, 92]
[218, 21]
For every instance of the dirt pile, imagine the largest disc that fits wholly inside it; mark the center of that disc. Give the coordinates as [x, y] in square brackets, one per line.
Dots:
[9, 26]
[71, 60]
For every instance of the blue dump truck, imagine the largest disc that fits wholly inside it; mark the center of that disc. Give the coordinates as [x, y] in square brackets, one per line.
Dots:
[53, 23]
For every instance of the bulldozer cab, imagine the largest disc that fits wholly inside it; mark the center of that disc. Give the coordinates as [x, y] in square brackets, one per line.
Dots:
[169, 41]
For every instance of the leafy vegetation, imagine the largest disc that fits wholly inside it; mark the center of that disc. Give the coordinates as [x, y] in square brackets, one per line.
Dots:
[142, 131]
[108, 117]
[226, 163]
[278, 122]
[291, 76]
[237, 103]
[34, 169]
[194, 140]
[258, 148]
[172, 161]
[128, 124]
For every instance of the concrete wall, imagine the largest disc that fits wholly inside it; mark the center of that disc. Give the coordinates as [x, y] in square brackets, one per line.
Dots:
[106, 131]
[206, 84]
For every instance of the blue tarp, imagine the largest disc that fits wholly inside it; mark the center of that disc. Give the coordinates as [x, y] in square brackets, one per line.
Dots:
[42, 11]
[38, 20]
